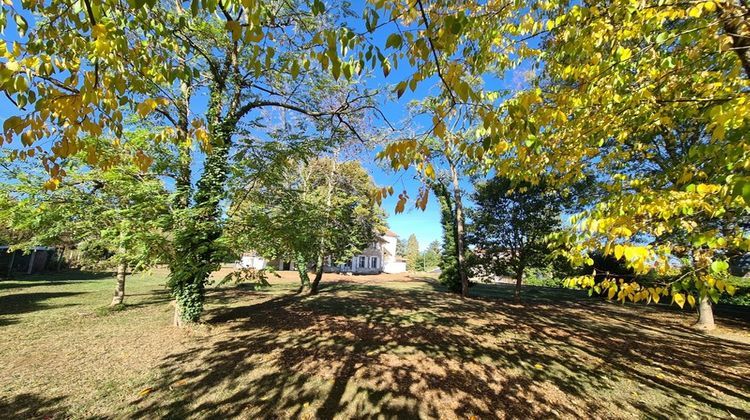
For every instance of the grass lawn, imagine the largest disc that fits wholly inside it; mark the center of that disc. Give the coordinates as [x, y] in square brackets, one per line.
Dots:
[366, 346]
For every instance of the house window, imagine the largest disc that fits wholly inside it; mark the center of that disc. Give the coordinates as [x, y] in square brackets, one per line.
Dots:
[374, 262]
[362, 261]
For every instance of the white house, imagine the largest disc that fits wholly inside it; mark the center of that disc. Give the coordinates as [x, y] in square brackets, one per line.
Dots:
[392, 263]
[251, 260]
[379, 257]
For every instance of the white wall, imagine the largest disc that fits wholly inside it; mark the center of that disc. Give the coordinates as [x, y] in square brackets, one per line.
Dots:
[255, 262]
[395, 267]
[390, 246]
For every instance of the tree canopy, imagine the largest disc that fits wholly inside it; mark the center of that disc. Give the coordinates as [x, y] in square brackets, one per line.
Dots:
[315, 211]
[510, 226]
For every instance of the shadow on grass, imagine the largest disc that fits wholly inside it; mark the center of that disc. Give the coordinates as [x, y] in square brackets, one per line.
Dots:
[153, 297]
[20, 303]
[365, 350]
[51, 278]
[31, 406]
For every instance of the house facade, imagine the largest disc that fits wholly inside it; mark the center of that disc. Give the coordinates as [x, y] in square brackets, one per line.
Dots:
[379, 257]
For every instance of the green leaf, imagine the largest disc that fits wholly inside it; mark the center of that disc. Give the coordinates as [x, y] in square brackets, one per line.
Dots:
[719, 266]
[21, 24]
[394, 41]
[715, 295]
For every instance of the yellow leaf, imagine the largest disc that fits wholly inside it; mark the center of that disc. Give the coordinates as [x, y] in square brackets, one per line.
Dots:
[679, 299]
[234, 27]
[691, 301]
[145, 391]
[612, 291]
[539, 366]
[655, 296]
[98, 30]
[440, 129]
[429, 171]
[51, 184]
[144, 108]
[619, 251]
[624, 53]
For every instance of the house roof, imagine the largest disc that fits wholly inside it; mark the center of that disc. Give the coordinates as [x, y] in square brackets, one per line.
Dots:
[391, 233]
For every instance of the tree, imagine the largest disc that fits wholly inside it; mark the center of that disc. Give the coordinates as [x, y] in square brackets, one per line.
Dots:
[601, 108]
[431, 256]
[243, 57]
[440, 165]
[673, 87]
[314, 211]
[510, 225]
[401, 248]
[117, 214]
[413, 256]
[449, 264]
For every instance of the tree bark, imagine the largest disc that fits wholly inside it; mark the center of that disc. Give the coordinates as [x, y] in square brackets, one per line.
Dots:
[119, 296]
[183, 186]
[318, 276]
[733, 17]
[177, 318]
[12, 261]
[705, 314]
[60, 259]
[459, 232]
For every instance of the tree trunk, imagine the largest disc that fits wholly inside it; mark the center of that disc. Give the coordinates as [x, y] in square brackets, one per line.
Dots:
[460, 232]
[119, 296]
[302, 271]
[177, 318]
[733, 17]
[183, 186]
[705, 315]
[60, 259]
[12, 261]
[519, 282]
[318, 276]
[326, 226]
[196, 251]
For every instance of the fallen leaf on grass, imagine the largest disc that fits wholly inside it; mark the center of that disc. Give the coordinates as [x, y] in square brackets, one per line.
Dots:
[539, 366]
[181, 382]
[145, 391]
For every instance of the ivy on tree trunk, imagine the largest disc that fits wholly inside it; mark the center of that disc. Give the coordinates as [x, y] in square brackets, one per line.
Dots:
[197, 253]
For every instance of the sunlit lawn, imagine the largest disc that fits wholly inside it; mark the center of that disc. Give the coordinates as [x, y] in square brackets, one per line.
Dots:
[366, 346]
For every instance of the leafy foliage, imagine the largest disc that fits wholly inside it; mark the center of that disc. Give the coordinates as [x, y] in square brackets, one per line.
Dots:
[312, 211]
[412, 253]
[510, 226]
[449, 267]
[120, 211]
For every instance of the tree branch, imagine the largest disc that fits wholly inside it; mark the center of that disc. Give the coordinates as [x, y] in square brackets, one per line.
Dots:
[434, 53]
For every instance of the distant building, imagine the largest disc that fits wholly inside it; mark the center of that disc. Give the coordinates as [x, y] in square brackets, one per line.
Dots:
[34, 260]
[379, 257]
